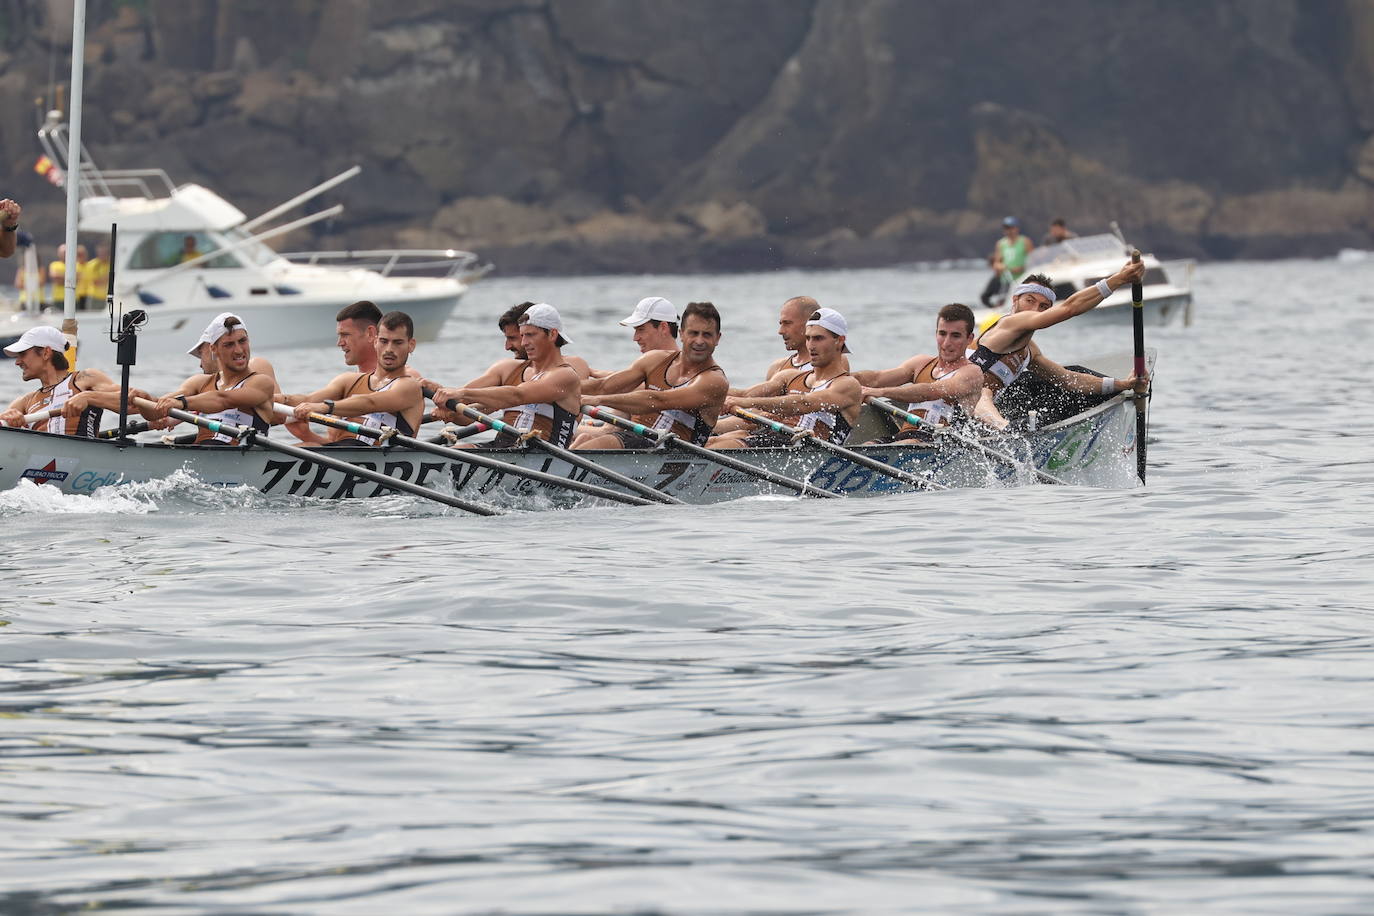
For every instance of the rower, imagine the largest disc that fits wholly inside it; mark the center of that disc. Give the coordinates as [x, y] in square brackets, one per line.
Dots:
[680, 391]
[939, 388]
[1006, 349]
[825, 397]
[39, 355]
[387, 396]
[541, 394]
[205, 353]
[655, 322]
[509, 323]
[234, 394]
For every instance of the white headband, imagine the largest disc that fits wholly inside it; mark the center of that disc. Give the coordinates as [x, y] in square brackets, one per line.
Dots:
[1035, 288]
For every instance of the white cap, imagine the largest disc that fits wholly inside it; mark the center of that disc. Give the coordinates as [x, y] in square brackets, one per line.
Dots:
[833, 322]
[41, 336]
[215, 330]
[545, 316]
[653, 308]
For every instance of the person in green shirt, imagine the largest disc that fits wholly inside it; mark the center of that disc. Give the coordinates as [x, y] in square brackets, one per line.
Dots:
[1008, 260]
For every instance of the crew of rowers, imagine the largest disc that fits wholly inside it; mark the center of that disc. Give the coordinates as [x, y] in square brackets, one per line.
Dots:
[675, 386]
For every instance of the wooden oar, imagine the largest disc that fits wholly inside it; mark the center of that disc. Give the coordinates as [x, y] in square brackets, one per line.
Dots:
[810, 438]
[1138, 323]
[472, 413]
[671, 441]
[304, 454]
[888, 407]
[467, 457]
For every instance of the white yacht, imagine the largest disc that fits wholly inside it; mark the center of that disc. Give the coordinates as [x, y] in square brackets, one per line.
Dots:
[185, 254]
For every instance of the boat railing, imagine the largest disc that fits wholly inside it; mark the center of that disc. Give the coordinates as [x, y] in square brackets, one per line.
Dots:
[441, 262]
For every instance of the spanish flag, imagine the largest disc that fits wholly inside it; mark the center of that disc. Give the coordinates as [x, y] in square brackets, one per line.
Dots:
[49, 170]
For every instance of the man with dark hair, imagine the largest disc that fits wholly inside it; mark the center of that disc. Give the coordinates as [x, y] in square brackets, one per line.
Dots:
[824, 398]
[356, 326]
[541, 393]
[9, 226]
[680, 391]
[655, 322]
[1006, 350]
[234, 394]
[39, 355]
[386, 396]
[1007, 260]
[939, 388]
[1059, 232]
[509, 323]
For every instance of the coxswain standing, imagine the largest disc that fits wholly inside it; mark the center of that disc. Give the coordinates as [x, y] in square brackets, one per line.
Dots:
[39, 355]
[385, 397]
[1006, 350]
[939, 389]
[235, 394]
[680, 391]
[826, 398]
[542, 395]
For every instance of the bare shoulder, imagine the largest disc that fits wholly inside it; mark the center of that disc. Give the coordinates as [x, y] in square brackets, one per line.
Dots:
[86, 379]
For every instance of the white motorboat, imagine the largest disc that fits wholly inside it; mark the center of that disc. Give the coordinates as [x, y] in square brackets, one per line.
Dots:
[1078, 263]
[185, 254]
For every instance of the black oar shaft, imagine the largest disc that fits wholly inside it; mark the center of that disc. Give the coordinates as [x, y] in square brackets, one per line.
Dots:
[1138, 326]
[629, 483]
[305, 454]
[888, 407]
[734, 464]
[862, 460]
[481, 461]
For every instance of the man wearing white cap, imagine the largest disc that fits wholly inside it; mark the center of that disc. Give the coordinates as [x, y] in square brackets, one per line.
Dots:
[205, 353]
[542, 394]
[1006, 349]
[655, 322]
[234, 394]
[40, 357]
[826, 399]
[681, 391]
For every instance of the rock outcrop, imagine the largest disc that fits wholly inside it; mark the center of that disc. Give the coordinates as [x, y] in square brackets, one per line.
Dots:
[566, 135]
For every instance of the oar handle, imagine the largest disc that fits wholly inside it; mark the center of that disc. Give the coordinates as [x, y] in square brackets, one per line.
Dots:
[657, 436]
[38, 416]
[774, 425]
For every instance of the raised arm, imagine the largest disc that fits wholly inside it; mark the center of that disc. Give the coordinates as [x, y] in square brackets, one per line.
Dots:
[1082, 301]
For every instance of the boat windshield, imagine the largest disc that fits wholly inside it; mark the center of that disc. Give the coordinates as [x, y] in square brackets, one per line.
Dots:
[168, 249]
[1087, 248]
[252, 252]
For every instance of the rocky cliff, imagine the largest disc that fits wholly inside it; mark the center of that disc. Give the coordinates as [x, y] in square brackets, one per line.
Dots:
[556, 135]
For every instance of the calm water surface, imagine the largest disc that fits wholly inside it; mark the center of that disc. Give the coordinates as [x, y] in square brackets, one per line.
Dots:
[1038, 700]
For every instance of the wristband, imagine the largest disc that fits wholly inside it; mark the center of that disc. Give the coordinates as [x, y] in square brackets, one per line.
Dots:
[185, 405]
[328, 406]
[1104, 288]
[14, 228]
[1109, 386]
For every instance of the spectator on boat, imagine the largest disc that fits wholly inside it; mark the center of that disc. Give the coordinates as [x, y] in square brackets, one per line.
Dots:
[9, 226]
[679, 390]
[83, 297]
[1006, 349]
[189, 250]
[388, 396]
[824, 398]
[93, 277]
[940, 389]
[57, 275]
[541, 393]
[1007, 260]
[39, 355]
[1059, 232]
[29, 298]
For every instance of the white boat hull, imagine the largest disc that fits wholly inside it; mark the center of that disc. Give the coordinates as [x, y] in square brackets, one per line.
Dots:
[1095, 448]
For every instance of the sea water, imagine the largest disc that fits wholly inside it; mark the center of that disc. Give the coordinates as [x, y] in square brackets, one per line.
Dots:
[1033, 700]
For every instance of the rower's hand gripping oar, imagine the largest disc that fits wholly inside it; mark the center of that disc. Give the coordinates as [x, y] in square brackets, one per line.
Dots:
[250, 437]
[1138, 325]
[467, 457]
[672, 441]
[634, 486]
[810, 438]
[889, 408]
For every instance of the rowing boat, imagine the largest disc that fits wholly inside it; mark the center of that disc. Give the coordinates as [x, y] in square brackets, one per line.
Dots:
[1094, 447]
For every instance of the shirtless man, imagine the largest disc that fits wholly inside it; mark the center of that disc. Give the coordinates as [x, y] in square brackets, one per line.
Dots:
[233, 394]
[40, 358]
[1005, 350]
[386, 396]
[792, 329]
[679, 391]
[939, 388]
[825, 397]
[542, 393]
